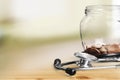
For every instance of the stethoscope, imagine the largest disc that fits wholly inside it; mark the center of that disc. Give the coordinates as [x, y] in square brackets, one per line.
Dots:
[84, 63]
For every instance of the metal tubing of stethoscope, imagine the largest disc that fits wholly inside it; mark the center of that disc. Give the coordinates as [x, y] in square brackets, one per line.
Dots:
[61, 66]
[99, 67]
[68, 63]
[90, 68]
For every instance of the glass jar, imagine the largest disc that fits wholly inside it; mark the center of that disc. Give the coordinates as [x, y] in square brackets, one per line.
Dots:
[100, 25]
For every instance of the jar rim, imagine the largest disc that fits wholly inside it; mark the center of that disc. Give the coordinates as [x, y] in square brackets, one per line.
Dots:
[102, 6]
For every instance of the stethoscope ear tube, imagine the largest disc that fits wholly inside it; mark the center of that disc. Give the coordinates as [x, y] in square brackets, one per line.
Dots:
[58, 65]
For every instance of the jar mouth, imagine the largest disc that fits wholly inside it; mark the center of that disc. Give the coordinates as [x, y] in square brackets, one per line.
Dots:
[103, 7]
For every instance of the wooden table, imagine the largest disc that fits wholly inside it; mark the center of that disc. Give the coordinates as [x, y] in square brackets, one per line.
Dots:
[104, 74]
[37, 64]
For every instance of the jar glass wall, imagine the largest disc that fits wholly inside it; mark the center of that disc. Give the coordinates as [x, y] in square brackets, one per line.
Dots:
[100, 25]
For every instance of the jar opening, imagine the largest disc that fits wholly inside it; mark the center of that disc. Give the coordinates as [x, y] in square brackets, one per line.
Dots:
[103, 7]
[99, 8]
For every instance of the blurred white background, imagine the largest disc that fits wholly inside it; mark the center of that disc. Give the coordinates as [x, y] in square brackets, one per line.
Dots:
[46, 20]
